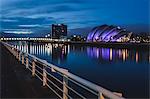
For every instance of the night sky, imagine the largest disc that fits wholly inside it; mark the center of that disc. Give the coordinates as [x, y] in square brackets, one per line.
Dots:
[29, 15]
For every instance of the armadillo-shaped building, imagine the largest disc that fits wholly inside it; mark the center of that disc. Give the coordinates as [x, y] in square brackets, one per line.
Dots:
[106, 33]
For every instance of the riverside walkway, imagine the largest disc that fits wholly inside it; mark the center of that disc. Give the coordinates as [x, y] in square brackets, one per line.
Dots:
[17, 82]
[26, 76]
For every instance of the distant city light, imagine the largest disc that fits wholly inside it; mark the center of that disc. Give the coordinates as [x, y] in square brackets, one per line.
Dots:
[118, 27]
[74, 35]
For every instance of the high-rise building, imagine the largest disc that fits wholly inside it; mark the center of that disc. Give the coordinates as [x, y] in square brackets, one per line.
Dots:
[59, 30]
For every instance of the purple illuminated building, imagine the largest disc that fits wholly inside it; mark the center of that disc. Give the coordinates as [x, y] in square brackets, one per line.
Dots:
[106, 33]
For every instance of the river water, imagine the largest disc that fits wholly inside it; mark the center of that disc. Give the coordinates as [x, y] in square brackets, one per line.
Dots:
[119, 70]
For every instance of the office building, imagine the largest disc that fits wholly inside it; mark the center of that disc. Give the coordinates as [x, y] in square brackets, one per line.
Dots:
[59, 30]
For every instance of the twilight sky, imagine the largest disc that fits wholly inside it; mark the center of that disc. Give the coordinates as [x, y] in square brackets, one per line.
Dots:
[30, 15]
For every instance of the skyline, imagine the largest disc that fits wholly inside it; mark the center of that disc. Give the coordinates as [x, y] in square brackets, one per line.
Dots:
[33, 15]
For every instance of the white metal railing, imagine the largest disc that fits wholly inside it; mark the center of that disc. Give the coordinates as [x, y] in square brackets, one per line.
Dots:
[64, 80]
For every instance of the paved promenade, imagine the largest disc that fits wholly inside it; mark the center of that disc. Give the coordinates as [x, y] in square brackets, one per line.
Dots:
[16, 80]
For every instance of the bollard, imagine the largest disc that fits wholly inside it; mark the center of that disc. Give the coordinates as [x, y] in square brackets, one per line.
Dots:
[22, 59]
[33, 68]
[44, 76]
[27, 62]
[100, 96]
[65, 89]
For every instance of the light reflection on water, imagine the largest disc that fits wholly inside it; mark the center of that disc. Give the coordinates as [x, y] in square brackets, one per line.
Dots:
[121, 70]
[107, 54]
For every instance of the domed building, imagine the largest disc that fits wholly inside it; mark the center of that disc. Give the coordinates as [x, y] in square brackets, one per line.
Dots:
[106, 33]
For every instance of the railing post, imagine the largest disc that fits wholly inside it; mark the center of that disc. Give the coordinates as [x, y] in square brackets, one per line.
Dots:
[33, 67]
[100, 96]
[22, 58]
[65, 89]
[27, 62]
[44, 75]
[12, 50]
[19, 56]
[15, 52]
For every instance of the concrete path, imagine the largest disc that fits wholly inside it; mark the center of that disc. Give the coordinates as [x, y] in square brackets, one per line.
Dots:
[16, 80]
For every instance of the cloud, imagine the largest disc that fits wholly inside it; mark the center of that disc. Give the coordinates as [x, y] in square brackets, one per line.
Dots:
[9, 20]
[18, 31]
[33, 14]
[31, 26]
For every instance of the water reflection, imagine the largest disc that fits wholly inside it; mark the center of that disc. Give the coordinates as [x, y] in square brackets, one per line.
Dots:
[59, 52]
[109, 54]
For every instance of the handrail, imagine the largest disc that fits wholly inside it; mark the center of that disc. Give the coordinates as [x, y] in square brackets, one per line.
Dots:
[86, 83]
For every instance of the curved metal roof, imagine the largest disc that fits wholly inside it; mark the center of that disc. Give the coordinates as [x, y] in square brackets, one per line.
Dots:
[105, 33]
